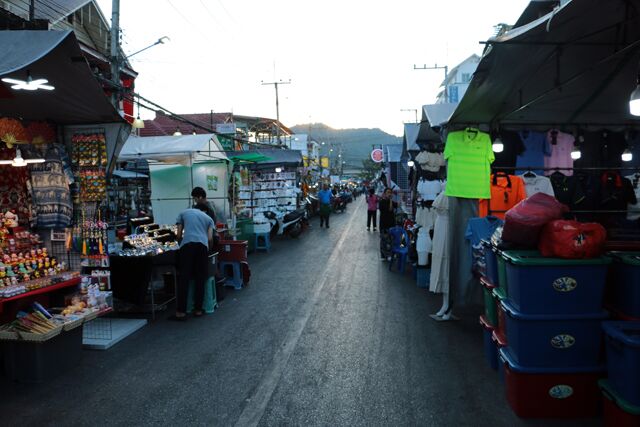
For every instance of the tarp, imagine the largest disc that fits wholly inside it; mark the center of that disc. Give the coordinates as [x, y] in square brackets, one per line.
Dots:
[249, 157]
[411, 131]
[275, 157]
[78, 97]
[437, 114]
[184, 150]
[392, 153]
[574, 66]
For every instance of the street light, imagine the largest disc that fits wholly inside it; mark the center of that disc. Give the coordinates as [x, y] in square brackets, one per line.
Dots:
[161, 40]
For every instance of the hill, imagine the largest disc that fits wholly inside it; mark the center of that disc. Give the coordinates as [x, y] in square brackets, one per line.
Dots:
[356, 143]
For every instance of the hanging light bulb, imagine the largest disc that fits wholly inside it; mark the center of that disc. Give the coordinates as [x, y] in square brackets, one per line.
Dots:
[576, 153]
[497, 146]
[138, 123]
[177, 132]
[634, 100]
[410, 163]
[278, 170]
[627, 155]
[18, 161]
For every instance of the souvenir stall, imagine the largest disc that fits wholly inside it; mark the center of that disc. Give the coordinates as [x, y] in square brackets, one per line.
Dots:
[542, 196]
[264, 180]
[177, 164]
[59, 134]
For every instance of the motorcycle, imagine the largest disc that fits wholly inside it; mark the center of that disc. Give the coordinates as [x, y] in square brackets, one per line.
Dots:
[291, 223]
[312, 205]
[339, 204]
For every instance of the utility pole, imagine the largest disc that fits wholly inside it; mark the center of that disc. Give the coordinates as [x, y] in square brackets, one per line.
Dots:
[276, 84]
[115, 52]
[437, 67]
[32, 10]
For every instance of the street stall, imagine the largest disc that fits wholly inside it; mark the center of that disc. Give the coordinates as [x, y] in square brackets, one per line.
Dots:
[265, 180]
[542, 179]
[59, 136]
[177, 164]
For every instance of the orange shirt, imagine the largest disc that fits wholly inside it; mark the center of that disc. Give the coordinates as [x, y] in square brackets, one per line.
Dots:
[506, 192]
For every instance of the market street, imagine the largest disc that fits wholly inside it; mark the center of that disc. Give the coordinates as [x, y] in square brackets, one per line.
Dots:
[324, 335]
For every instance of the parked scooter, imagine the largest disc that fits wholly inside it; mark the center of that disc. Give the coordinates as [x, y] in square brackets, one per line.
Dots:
[312, 205]
[338, 203]
[291, 223]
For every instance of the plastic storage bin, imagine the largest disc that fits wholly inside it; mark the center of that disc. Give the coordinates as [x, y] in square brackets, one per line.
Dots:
[490, 350]
[422, 276]
[551, 392]
[35, 362]
[617, 411]
[553, 341]
[232, 250]
[539, 285]
[491, 261]
[623, 359]
[490, 309]
[499, 296]
[624, 287]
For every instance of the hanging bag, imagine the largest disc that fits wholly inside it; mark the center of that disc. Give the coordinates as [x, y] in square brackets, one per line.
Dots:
[572, 240]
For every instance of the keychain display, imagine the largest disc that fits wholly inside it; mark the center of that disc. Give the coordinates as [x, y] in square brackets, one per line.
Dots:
[93, 185]
[90, 149]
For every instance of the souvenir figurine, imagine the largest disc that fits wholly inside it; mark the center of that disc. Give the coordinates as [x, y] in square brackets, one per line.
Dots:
[39, 253]
[53, 262]
[20, 257]
[33, 253]
[21, 268]
[10, 219]
[40, 264]
[47, 264]
[3, 272]
[14, 258]
[44, 252]
[6, 258]
[14, 280]
[36, 274]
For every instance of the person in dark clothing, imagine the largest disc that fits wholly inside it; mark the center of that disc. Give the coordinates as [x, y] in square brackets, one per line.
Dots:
[200, 197]
[387, 208]
[195, 234]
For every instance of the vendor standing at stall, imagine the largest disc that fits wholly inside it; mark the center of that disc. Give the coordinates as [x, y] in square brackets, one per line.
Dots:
[195, 234]
[200, 197]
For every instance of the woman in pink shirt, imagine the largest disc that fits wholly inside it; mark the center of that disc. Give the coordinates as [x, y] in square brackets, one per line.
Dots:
[372, 209]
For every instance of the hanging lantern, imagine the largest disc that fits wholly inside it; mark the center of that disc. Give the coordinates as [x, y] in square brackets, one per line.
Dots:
[41, 133]
[12, 132]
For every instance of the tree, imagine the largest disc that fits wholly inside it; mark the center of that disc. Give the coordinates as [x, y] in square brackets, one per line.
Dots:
[369, 169]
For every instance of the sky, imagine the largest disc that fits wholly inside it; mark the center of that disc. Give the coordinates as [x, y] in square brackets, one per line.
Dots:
[350, 62]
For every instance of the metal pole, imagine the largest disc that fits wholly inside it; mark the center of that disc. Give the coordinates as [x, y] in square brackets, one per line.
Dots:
[115, 52]
[32, 10]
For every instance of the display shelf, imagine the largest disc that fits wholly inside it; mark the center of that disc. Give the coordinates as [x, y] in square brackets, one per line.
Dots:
[66, 284]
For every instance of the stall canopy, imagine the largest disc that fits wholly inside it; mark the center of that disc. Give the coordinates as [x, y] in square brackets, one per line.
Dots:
[184, 150]
[267, 157]
[410, 139]
[574, 66]
[436, 115]
[78, 98]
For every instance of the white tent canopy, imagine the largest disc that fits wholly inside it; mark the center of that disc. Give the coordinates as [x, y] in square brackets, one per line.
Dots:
[184, 150]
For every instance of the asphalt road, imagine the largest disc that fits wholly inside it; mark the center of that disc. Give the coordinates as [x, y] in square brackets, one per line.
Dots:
[324, 335]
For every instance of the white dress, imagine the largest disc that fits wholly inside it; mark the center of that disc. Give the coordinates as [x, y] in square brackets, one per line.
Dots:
[439, 279]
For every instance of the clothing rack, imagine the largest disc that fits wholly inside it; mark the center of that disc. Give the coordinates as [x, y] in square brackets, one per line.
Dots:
[592, 168]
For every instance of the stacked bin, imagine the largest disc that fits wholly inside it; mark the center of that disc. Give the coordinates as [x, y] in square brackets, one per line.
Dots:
[553, 316]
[621, 391]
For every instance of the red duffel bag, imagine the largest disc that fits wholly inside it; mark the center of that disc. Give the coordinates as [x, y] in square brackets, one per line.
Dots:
[572, 239]
[524, 221]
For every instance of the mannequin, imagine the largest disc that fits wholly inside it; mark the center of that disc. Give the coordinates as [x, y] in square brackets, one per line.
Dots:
[439, 280]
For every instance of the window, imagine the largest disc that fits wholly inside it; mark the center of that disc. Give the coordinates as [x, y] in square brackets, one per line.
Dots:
[466, 77]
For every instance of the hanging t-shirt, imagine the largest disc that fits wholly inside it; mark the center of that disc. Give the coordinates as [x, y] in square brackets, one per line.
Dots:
[601, 149]
[51, 194]
[536, 184]
[479, 229]
[561, 145]
[429, 190]
[506, 192]
[513, 147]
[616, 192]
[469, 156]
[567, 190]
[429, 161]
[536, 147]
[633, 209]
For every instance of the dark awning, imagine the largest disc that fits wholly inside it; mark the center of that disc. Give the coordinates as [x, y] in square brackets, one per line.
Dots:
[269, 156]
[78, 98]
[575, 66]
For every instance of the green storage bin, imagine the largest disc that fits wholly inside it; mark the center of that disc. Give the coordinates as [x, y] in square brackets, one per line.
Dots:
[490, 308]
[502, 272]
[245, 229]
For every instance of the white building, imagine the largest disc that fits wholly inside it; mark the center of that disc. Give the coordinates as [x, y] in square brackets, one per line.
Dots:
[457, 81]
[309, 148]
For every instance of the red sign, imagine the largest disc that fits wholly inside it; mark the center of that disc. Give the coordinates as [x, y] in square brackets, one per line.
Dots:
[377, 155]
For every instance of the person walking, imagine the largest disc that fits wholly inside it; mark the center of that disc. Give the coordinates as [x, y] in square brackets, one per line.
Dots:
[372, 209]
[324, 196]
[195, 234]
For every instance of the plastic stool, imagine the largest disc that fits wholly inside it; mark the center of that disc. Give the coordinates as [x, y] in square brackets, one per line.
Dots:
[262, 242]
[210, 300]
[233, 272]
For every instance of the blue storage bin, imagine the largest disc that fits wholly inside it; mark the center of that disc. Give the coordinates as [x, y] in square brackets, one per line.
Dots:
[623, 359]
[490, 349]
[422, 276]
[539, 285]
[491, 261]
[554, 341]
[625, 283]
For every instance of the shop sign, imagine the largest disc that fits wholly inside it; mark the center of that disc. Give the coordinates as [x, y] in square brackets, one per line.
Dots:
[226, 143]
[212, 182]
[226, 128]
[377, 155]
